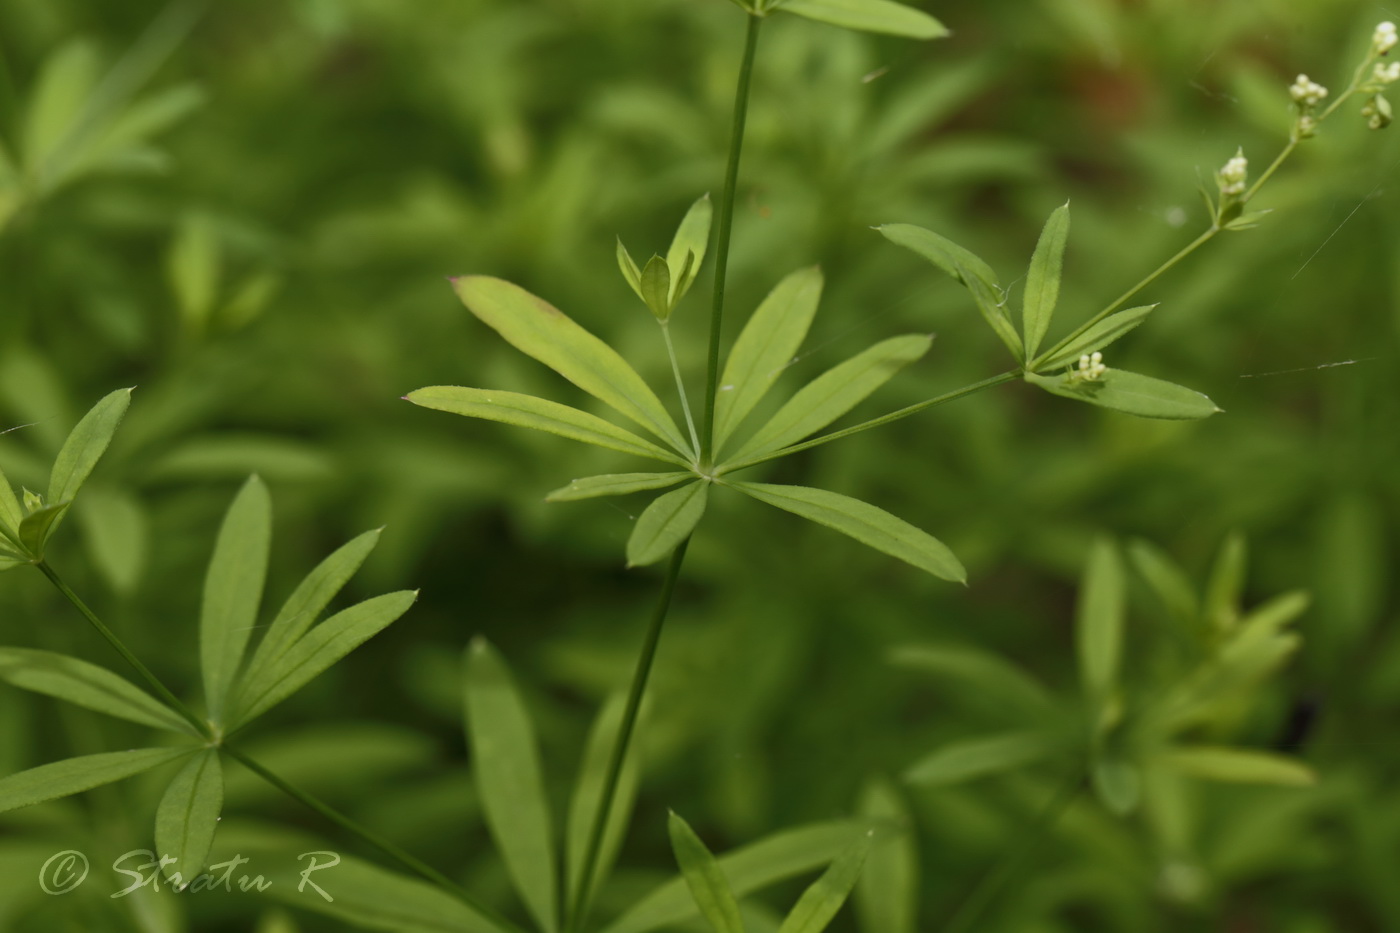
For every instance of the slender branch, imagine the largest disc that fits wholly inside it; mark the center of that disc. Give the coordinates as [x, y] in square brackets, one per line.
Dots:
[905, 412]
[582, 897]
[680, 385]
[1010, 861]
[726, 222]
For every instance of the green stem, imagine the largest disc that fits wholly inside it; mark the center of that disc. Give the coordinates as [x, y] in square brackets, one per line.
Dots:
[1011, 861]
[905, 412]
[726, 222]
[583, 894]
[1268, 172]
[202, 727]
[680, 385]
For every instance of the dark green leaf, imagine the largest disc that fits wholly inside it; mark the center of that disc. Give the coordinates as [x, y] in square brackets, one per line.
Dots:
[86, 685]
[188, 815]
[614, 484]
[1099, 624]
[982, 672]
[233, 590]
[705, 878]
[1043, 279]
[884, 16]
[1130, 393]
[665, 523]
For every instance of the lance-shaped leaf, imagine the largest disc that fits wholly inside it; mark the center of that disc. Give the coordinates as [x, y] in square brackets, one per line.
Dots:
[887, 893]
[588, 797]
[614, 484]
[882, 16]
[527, 411]
[1099, 625]
[688, 246]
[705, 878]
[1131, 394]
[665, 523]
[832, 394]
[506, 765]
[188, 815]
[11, 513]
[85, 446]
[974, 758]
[820, 902]
[310, 599]
[34, 531]
[629, 269]
[1097, 337]
[538, 329]
[656, 287]
[317, 650]
[1043, 278]
[982, 674]
[75, 775]
[751, 868]
[864, 522]
[1217, 763]
[1221, 606]
[88, 686]
[765, 347]
[233, 589]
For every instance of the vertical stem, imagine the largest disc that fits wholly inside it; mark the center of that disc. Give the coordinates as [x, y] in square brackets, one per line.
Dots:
[726, 222]
[680, 386]
[583, 895]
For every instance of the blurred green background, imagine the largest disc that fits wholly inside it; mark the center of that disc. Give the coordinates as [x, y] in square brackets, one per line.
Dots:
[248, 210]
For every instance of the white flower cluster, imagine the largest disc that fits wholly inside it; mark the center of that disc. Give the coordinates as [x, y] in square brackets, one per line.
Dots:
[1232, 177]
[1307, 92]
[1386, 74]
[1091, 367]
[1384, 38]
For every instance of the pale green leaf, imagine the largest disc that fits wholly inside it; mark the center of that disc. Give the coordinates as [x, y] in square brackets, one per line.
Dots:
[1043, 279]
[960, 263]
[317, 650]
[11, 513]
[86, 685]
[1167, 581]
[884, 16]
[705, 878]
[866, 523]
[751, 868]
[64, 85]
[74, 775]
[232, 591]
[527, 411]
[85, 445]
[538, 329]
[588, 796]
[1226, 585]
[765, 347]
[656, 287]
[1099, 621]
[688, 247]
[1097, 337]
[1117, 784]
[629, 269]
[665, 523]
[991, 302]
[34, 531]
[506, 764]
[975, 758]
[614, 484]
[1131, 393]
[1245, 766]
[832, 394]
[193, 266]
[188, 815]
[887, 893]
[820, 902]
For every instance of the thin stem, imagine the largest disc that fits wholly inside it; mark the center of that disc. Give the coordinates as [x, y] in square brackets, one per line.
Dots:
[408, 861]
[583, 895]
[202, 727]
[905, 412]
[1010, 861]
[726, 222]
[1268, 172]
[680, 385]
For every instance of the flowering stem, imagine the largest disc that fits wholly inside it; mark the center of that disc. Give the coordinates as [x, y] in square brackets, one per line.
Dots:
[680, 385]
[726, 222]
[1268, 172]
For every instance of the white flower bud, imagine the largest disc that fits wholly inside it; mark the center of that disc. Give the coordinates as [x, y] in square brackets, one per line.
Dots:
[1307, 92]
[1091, 367]
[1383, 40]
[1232, 177]
[1386, 74]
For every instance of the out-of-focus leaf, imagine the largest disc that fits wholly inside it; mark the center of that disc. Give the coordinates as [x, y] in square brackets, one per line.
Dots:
[1117, 784]
[887, 893]
[1167, 580]
[588, 797]
[116, 532]
[1099, 625]
[665, 523]
[1239, 765]
[981, 671]
[820, 902]
[231, 454]
[884, 16]
[188, 815]
[975, 758]
[705, 878]
[86, 685]
[74, 775]
[1226, 586]
[1043, 279]
[65, 81]
[1097, 337]
[866, 523]
[233, 590]
[614, 484]
[193, 266]
[1131, 393]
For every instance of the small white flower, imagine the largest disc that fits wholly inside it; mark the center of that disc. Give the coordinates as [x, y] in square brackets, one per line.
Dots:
[1386, 74]
[1091, 367]
[1307, 92]
[1307, 126]
[1232, 177]
[1384, 38]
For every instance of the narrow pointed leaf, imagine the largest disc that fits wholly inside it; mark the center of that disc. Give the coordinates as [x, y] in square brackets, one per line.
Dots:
[34, 531]
[705, 879]
[866, 523]
[317, 650]
[1099, 627]
[975, 758]
[527, 411]
[85, 445]
[188, 815]
[86, 685]
[1117, 784]
[882, 16]
[538, 329]
[1101, 335]
[588, 797]
[1043, 279]
[834, 393]
[960, 263]
[233, 590]
[691, 240]
[1226, 586]
[1168, 582]
[656, 287]
[980, 672]
[991, 301]
[75, 775]
[1217, 763]
[614, 484]
[765, 347]
[751, 868]
[820, 902]
[887, 893]
[310, 599]
[11, 514]
[665, 523]
[628, 265]
[1131, 394]
[506, 765]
